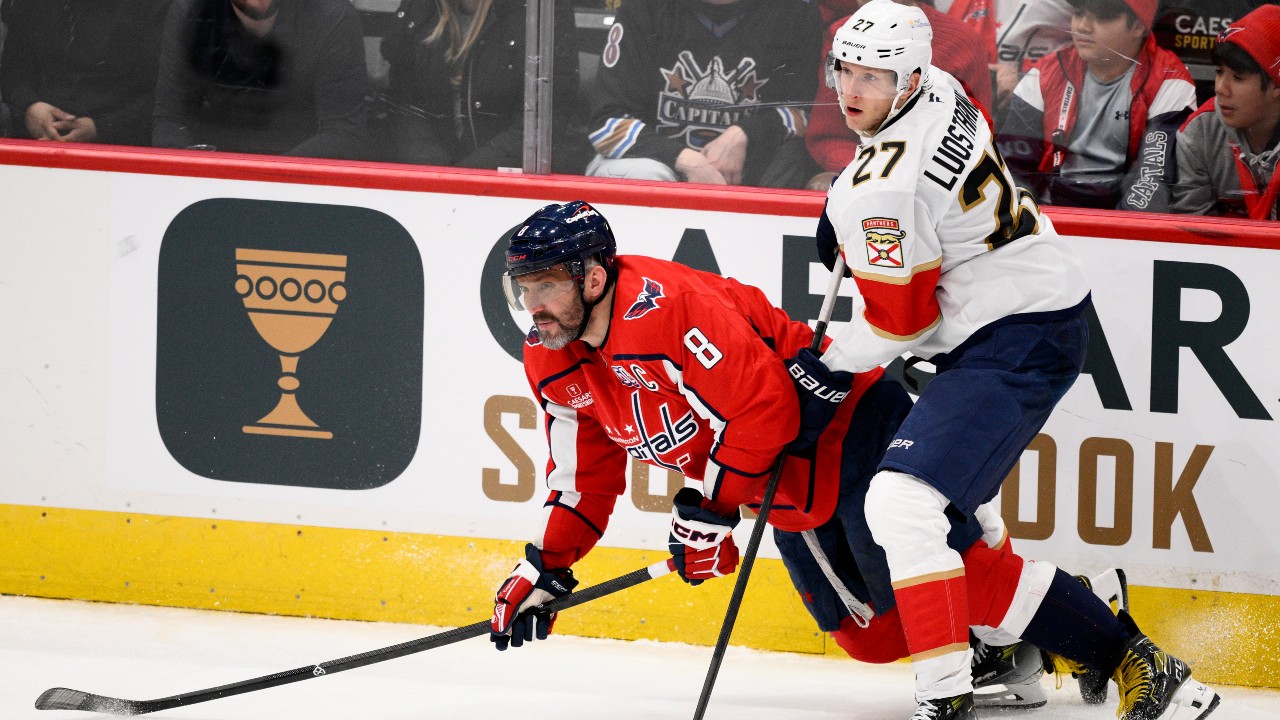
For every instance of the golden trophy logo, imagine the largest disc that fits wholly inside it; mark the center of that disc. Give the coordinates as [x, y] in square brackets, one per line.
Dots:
[291, 298]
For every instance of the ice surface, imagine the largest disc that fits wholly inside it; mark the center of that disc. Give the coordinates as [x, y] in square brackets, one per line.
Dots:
[143, 653]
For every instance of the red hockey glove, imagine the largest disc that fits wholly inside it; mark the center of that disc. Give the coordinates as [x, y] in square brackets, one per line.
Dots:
[701, 541]
[517, 617]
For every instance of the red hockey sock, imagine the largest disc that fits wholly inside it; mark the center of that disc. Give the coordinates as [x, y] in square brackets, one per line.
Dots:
[935, 613]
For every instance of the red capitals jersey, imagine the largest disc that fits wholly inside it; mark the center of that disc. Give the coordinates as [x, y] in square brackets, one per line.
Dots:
[691, 378]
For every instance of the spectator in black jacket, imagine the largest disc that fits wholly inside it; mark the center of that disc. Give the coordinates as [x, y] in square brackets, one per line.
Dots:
[81, 70]
[283, 77]
[456, 83]
[710, 91]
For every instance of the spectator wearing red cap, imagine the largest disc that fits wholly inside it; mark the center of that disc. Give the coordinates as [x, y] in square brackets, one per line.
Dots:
[957, 49]
[1078, 120]
[1227, 150]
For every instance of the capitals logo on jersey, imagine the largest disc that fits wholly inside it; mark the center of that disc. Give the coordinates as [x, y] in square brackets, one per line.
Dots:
[884, 241]
[647, 300]
[700, 103]
[652, 443]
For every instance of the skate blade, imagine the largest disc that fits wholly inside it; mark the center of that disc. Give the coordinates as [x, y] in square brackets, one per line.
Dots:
[1011, 696]
[1112, 588]
[1193, 700]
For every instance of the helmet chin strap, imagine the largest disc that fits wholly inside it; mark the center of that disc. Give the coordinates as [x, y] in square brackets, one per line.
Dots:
[894, 108]
[589, 305]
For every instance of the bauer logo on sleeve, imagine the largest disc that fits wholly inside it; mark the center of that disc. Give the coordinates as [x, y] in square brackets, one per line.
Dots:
[289, 344]
[884, 242]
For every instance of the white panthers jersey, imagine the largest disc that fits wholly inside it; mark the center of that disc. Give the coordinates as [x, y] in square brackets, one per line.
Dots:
[939, 239]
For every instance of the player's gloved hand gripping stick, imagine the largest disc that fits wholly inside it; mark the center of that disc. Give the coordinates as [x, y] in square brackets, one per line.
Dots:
[766, 504]
[519, 615]
[67, 699]
[701, 541]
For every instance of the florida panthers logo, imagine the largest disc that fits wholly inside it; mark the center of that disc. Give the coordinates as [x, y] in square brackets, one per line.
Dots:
[647, 300]
[884, 241]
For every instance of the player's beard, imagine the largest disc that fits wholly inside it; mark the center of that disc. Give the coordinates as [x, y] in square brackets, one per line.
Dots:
[567, 328]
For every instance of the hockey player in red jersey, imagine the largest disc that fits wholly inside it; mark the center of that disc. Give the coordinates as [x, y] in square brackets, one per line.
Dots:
[634, 357]
[956, 264]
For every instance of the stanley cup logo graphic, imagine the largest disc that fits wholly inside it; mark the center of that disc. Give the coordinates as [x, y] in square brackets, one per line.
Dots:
[291, 298]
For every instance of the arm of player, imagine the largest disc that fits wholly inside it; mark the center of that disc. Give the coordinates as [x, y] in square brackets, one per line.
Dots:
[586, 472]
[896, 261]
[734, 381]
[574, 520]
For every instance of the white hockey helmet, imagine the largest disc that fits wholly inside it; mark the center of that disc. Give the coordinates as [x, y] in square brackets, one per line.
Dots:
[884, 35]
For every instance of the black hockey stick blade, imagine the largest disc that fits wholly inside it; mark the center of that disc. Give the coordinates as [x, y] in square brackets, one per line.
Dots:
[67, 699]
[762, 515]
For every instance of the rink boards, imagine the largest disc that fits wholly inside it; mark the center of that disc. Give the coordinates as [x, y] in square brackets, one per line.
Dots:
[147, 459]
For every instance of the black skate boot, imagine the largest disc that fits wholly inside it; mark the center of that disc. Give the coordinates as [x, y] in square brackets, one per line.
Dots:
[1155, 685]
[1007, 676]
[1112, 587]
[959, 707]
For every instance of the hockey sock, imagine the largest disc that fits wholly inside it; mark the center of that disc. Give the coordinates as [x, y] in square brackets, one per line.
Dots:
[934, 614]
[1076, 624]
[907, 518]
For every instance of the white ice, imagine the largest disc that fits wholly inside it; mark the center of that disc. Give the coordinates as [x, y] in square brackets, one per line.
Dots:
[142, 653]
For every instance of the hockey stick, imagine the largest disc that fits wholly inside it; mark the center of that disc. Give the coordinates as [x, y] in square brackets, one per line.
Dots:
[766, 504]
[67, 699]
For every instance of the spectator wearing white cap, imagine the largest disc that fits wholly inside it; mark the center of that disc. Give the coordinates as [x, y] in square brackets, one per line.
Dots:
[1227, 150]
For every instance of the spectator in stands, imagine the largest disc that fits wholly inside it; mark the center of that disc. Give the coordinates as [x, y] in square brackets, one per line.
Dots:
[1227, 151]
[283, 77]
[456, 82]
[1015, 34]
[1078, 120]
[1190, 29]
[957, 50]
[81, 70]
[709, 91]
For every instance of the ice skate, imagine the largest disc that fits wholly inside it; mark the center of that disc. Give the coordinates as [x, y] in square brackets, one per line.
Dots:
[1007, 676]
[1155, 685]
[959, 707]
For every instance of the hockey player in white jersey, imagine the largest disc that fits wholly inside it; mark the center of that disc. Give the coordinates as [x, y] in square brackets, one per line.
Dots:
[956, 265]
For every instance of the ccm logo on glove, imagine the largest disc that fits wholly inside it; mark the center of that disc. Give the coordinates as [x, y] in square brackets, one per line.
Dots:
[697, 535]
[700, 542]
